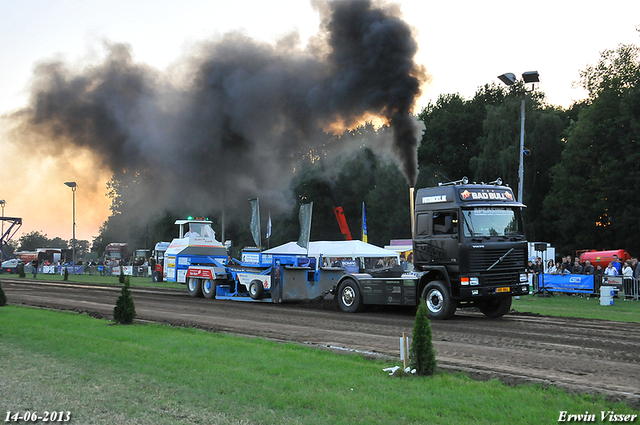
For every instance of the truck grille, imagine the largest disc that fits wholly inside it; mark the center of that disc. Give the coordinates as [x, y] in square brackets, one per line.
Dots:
[481, 259]
[505, 279]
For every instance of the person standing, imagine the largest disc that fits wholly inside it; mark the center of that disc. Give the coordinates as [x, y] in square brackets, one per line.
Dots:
[588, 268]
[616, 264]
[152, 266]
[566, 261]
[551, 267]
[34, 264]
[611, 270]
[577, 268]
[627, 281]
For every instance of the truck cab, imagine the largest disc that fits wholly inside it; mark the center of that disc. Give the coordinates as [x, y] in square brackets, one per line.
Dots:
[196, 245]
[469, 247]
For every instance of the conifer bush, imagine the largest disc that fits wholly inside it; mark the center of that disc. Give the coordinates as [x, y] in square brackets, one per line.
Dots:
[121, 277]
[21, 271]
[124, 311]
[66, 274]
[422, 356]
[3, 297]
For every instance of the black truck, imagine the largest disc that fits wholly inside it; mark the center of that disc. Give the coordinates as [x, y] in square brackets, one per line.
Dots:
[469, 250]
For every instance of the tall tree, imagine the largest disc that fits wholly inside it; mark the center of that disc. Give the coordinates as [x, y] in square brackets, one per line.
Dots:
[33, 240]
[388, 213]
[594, 201]
[453, 127]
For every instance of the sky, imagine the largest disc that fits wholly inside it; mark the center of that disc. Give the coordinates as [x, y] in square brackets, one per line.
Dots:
[463, 45]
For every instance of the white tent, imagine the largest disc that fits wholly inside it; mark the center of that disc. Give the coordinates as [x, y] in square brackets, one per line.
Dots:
[334, 249]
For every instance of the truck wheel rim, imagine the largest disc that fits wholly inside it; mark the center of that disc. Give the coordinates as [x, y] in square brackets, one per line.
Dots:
[434, 301]
[348, 295]
[207, 286]
[192, 285]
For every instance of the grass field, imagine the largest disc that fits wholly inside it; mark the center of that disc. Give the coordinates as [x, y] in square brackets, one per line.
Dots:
[143, 374]
[101, 280]
[573, 306]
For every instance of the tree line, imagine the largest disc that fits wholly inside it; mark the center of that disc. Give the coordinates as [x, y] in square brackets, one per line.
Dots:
[35, 239]
[580, 177]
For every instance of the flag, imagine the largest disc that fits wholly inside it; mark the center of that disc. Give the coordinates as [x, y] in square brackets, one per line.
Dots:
[269, 226]
[305, 224]
[255, 221]
[364, 225]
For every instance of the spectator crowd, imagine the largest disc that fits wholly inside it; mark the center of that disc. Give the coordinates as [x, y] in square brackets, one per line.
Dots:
[628, 270]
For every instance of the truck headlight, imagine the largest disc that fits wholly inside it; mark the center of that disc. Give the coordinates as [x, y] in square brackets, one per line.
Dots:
[523, 277]
[469, 281]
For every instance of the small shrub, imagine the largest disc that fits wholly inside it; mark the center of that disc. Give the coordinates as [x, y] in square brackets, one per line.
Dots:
[422, 355]
[3, 297]
[21, 271]
[66, 274]
[121, 277]
[125, 311]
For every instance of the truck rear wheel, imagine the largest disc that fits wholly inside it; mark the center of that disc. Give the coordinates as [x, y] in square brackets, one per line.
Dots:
[256, 289]
[208, 288]
[349, 297]
[496, 308]
[438, 301]
[194, 287]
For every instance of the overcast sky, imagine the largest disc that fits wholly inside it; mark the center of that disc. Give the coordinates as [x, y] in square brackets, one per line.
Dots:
[463, 45]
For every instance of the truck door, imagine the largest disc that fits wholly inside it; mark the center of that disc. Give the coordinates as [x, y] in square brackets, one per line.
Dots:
[437, 237]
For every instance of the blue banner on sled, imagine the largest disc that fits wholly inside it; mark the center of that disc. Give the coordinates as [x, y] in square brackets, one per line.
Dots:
[578, 283]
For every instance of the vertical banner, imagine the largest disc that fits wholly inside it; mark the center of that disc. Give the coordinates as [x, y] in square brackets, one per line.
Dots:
[305, 224]
[255, 222]
[364, 225]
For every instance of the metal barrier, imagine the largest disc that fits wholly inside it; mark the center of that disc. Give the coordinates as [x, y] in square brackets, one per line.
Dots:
[630, 288]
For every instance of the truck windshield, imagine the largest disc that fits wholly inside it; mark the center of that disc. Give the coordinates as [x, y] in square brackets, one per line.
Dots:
[202, 229]
[492, 221]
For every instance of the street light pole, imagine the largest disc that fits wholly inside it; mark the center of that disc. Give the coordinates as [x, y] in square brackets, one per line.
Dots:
[73, 187]
[2, 203]
[510, 79]
[521, 167]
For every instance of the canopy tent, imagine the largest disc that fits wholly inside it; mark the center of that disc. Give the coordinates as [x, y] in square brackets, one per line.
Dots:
[342, 249]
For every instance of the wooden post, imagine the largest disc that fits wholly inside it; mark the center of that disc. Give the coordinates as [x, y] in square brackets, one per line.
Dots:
[405, 349]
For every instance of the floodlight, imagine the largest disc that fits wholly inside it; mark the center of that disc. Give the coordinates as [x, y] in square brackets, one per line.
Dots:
[531, 77]
[508, 78]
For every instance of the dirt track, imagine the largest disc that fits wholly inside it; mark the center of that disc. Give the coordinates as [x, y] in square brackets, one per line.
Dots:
[587, 356]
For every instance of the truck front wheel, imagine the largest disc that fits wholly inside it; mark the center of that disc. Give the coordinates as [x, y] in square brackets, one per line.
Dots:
[194, 287]
[349, 297]
[496, 308]
[438, 301]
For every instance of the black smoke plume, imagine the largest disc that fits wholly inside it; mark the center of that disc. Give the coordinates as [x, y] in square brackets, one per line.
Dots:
[242, 114]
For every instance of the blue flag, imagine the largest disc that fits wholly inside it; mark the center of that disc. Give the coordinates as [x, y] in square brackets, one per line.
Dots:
[364, 225]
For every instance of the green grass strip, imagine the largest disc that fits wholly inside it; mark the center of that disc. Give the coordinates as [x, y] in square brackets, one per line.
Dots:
[156, 374]
[573, 306]
[103, 280]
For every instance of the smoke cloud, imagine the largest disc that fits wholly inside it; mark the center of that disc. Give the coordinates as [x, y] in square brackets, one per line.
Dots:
[240, 116]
